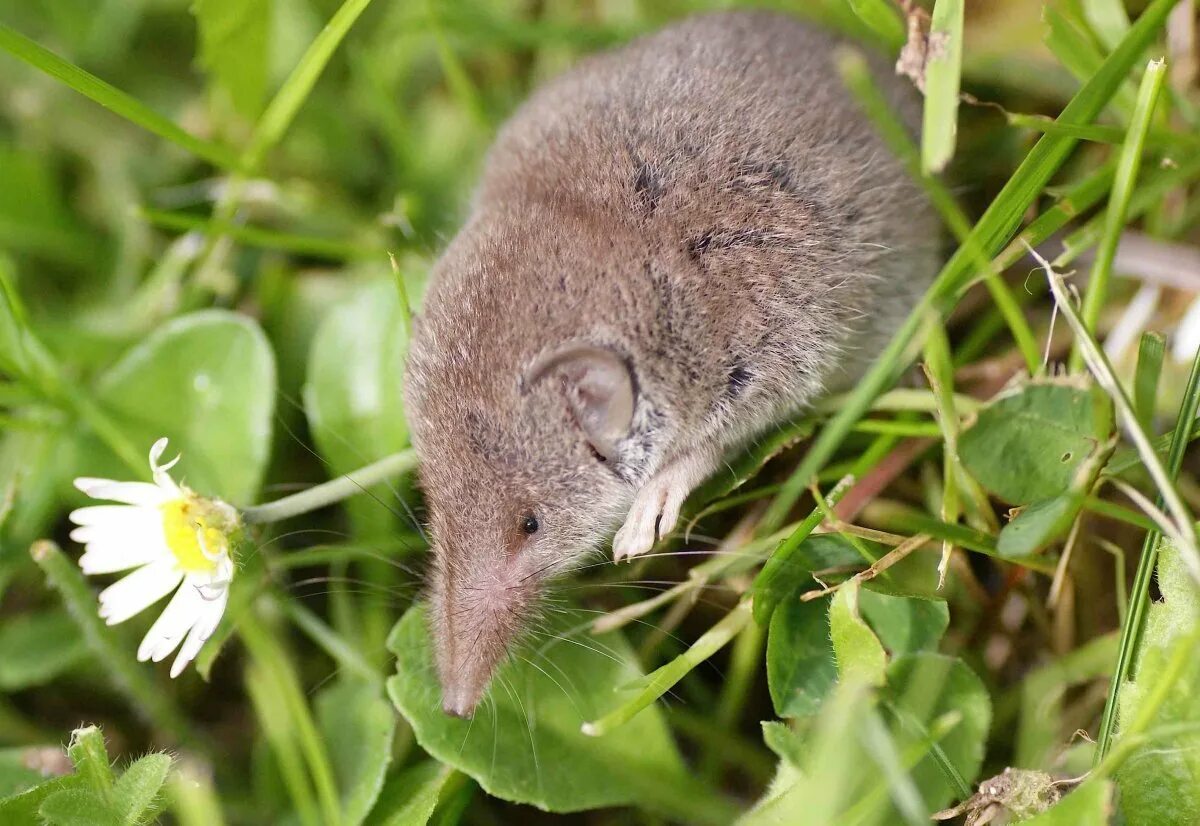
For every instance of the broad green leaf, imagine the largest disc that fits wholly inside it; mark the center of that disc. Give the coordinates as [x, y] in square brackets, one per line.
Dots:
[1028, 445]
[904, 624]
[37, 647]
[788, 577]
[358, 725]
[800, 664]
[207, 382]
[353, 395]
[1090, 803]
[137, 789]
[235, 49]
[1039, 524]
[921, 689]
[525, 743]
[859, 654]
[1160, 782]
[78, 807]
[409, 798]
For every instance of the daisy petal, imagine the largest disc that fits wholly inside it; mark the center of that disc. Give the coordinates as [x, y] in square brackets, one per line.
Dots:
[203, 629]
[139, 590]
[180, 615]
[110, 557]
[108, 514]
[131, 493]
[140, 531]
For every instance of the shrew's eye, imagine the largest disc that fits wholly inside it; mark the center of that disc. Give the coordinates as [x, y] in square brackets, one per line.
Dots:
[529, 524]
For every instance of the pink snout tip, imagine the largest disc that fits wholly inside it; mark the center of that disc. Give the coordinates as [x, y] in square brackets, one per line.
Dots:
[458, 702]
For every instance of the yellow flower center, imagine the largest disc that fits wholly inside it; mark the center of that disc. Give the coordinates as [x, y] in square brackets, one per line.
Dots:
[184, 525]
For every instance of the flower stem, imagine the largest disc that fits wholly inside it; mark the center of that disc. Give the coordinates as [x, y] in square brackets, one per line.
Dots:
[335, 490]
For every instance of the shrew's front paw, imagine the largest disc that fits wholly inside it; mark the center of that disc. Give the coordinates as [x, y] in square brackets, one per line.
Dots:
[655, 509]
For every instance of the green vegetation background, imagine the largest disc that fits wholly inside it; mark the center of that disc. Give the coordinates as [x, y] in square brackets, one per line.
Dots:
[210, 263]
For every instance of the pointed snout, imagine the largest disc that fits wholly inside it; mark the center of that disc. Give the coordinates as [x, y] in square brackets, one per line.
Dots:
[475, 622]
[459, 701]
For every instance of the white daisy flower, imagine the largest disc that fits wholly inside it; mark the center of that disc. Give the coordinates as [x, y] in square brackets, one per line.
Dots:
[170, 536]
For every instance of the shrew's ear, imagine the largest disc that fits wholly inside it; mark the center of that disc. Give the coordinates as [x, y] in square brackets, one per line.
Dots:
[599, 389]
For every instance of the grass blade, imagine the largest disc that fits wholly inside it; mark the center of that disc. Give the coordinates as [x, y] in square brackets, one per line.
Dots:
[1118, 203]
[328, 248]
[282, 109]
[661, 681]
[112, 98]
[1108, 19]
[1070, 38]
[942, 77]
[994, 229]
[1140, 596]
[1146, 377]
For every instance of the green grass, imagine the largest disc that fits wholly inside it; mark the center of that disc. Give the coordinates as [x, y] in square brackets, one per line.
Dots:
[289, 171]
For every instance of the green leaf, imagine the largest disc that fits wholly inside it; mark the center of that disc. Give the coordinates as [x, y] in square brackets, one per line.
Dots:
[409, 798]
[37, 647]
[525, 743]
[783, 577]
[1028, 445]
[358, 725]
[77, 807]
[904, 624]
[1039, 524]
[800, 663]
[234, 49]
[922, 688]
[137, 789]
[1160, 782]
[1090, 803]
[353, 394]
[859, 654]
[207, 382]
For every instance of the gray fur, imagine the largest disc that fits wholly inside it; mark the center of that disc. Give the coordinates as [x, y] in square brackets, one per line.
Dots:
[707, 203]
